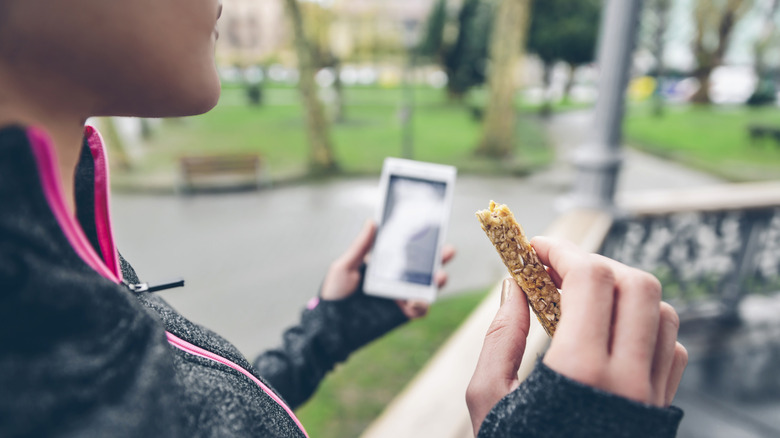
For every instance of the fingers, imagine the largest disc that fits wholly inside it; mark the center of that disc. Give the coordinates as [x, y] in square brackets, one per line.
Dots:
[413, 309]
[502, 352]
[664, 352]
[356, 253]
[447, 254]
[615, 333]
[678, 367]
[636, 325]
[560, 255]
[589, 290]
[440, 278]
[505, 341]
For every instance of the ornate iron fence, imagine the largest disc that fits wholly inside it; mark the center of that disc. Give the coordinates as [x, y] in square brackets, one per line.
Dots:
[705, 259]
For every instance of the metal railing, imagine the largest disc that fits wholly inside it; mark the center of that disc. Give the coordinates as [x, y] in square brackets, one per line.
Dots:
[706, 260]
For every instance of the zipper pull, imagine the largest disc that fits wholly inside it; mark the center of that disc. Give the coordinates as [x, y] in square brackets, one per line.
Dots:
[154, 287]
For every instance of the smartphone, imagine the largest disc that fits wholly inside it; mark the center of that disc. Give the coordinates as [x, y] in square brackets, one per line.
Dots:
[414, 209]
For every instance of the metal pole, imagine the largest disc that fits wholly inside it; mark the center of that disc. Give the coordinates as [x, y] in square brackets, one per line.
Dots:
[598, 161]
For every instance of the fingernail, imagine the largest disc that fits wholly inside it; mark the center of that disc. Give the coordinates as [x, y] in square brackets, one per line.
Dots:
[506, 288]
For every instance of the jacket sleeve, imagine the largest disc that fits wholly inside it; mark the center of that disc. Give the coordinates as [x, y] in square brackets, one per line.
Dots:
[550, 405]
[328, 333]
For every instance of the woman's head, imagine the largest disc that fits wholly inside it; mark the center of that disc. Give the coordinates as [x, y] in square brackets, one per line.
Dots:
[148, 58]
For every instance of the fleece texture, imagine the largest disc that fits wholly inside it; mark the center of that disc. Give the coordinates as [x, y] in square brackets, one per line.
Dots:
[550, 405]
[84, 356]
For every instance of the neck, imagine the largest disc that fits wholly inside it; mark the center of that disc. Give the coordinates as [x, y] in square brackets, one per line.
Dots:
[65, 129]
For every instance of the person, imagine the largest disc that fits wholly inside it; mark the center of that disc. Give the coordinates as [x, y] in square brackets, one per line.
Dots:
[89, 350]
[612, 368]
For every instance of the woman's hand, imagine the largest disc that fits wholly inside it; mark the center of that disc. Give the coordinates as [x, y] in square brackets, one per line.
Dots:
[344, 275]
[615, 334]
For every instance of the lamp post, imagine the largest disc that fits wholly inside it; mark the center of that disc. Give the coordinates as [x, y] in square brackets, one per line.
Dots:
[598, 161]
[410, 33]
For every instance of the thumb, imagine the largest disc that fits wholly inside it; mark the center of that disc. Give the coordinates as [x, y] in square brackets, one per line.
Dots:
[504, 343]
[502, 352]
[356, 253]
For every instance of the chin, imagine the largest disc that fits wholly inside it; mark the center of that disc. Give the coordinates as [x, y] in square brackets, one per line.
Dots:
[177, 102]
[205, 100]
[196, 98]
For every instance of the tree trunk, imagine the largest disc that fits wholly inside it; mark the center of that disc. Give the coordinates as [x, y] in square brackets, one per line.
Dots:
[702, 95]
[717, 22]
[546, 109]
[508, 40]
[661, 10]
[764, 41]
[339, 116]
[321, 159]
[569, 82]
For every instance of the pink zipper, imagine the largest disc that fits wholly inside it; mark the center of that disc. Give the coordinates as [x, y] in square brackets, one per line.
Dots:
[52, 189]
[197, 351]
[102, 209]
[108, 267]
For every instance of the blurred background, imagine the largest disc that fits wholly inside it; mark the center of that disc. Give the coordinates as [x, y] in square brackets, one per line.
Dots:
[529, 99]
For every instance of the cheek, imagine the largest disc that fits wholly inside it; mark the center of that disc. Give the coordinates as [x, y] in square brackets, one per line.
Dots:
[149, 81]
[135, 57]
[173, 79]
[178, 56]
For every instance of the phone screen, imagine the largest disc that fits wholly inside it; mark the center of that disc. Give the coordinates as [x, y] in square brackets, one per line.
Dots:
[405, 246]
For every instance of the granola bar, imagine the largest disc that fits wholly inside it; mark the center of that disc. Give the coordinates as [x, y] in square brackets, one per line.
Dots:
[524, 265]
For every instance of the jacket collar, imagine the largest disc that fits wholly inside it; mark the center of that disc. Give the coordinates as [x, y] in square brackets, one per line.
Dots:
[92, 201]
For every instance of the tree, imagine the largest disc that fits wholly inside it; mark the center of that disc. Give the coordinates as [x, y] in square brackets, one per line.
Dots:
[764, 94]
[656, 22]
[511, 18]
[432, 44]
[319, 21]
[321, 158]
[464, 59]
[715, 21]
[564, 30]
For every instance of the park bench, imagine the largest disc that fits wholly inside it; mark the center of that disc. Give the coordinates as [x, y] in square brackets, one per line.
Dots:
[759, 132]
[221, 172]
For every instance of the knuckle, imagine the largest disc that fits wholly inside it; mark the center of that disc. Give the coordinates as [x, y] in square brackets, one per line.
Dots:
[477, 392]
[497, 328]
[646, 284]
[681, 354]
[669, 315]
[598, 271]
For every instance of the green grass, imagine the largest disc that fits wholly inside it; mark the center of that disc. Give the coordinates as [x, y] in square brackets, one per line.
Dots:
[357, 392]
[714, 139]
[444, 132]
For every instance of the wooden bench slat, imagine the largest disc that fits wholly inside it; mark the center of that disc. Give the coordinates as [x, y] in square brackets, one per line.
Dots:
[220, 168]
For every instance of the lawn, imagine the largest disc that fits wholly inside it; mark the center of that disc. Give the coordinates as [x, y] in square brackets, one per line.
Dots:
[714, 139]
[444, 132]
[357, 392]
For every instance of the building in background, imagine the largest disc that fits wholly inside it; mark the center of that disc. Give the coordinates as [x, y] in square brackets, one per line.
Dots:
[253, 31]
